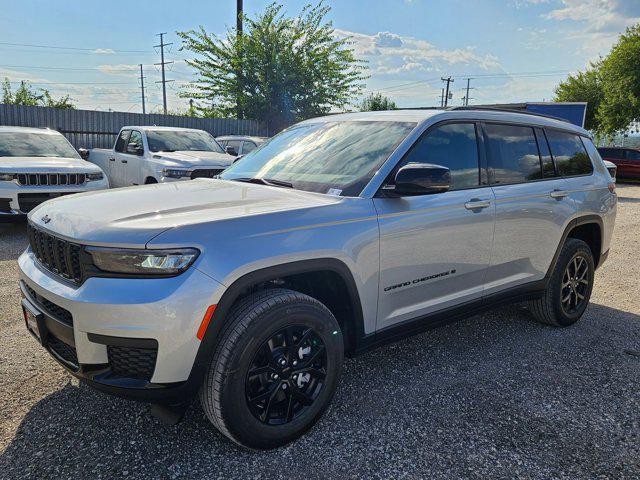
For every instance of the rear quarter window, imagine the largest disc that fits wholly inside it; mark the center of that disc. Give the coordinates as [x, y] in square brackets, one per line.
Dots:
[569, 154]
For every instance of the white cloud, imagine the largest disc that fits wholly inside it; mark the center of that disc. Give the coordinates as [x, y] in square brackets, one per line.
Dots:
[103, 51]
[387, 39]
[599, 15]
[119, 69]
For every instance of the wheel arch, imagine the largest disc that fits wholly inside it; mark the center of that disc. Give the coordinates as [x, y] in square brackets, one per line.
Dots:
[590, 229]
[353, 327]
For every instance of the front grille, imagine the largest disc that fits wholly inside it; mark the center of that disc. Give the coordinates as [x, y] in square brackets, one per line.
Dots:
[63, 351]
[39, 179]
[56, 255]
[29, 201]
[49, 307]
[206, 173]
[131, 362]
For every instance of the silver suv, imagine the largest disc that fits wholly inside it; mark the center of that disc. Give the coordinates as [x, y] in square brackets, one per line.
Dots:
[339, 234]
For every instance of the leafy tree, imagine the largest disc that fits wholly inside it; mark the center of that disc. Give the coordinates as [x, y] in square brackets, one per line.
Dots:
[621, 83]
[279, 70]
[377, 101]
[26, 95]
[584, 87]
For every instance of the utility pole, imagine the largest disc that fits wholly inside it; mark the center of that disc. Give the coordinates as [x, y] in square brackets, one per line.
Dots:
[466, 98]
[239, 72]
[446, 95]
[162, 63]
[142, 89]
[442, 97]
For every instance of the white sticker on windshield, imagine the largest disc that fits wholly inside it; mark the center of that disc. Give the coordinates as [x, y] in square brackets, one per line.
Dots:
[334, 191]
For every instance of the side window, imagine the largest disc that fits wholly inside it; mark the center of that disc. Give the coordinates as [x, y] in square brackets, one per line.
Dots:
[513, 154]
[548, 168]
[235, 146]
[454, 146]
[248, 147]
[569, 154]
[136, 137]
[633, 155]
[123, 139]
[223, 143]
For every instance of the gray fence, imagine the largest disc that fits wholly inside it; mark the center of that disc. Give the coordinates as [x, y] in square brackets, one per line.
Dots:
[91, 129]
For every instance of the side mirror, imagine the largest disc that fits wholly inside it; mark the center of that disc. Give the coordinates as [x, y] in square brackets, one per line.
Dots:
[84, 153]
[422, 179]
[230, 150]
[134, 149]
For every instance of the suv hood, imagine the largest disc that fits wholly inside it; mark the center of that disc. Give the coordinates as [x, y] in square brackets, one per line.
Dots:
[196, 158]
[132, 216]
[45, 164]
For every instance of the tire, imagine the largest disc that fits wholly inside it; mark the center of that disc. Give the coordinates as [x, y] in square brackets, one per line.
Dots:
[549, 308]
[150, 180]
[254, 326]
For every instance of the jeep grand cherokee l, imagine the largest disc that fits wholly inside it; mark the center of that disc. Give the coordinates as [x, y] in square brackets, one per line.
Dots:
[340, 234]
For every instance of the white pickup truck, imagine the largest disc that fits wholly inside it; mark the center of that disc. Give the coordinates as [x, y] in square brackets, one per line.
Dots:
[160, 154]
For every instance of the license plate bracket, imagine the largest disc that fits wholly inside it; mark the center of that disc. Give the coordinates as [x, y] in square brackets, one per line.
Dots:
[34, 320]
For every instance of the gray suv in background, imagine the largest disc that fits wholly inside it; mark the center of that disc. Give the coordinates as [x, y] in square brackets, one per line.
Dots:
[339, 234]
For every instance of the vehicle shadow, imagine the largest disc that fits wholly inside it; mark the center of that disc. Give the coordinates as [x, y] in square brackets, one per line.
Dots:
[13, 240]
[495, 395]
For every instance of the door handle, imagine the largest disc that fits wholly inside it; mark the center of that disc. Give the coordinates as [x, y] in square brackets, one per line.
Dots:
[558, 194]
[477, 204]
[123, 161]
[112, 159]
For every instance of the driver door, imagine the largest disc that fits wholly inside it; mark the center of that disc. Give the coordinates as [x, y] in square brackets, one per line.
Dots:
[435, 249]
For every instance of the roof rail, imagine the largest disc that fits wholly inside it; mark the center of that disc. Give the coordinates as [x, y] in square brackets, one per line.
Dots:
[509, 110]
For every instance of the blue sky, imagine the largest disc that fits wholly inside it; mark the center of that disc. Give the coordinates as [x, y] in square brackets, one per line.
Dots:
[514, 50]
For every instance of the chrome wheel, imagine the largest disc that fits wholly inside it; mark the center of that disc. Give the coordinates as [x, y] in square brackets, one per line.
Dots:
[575, 284]
[286, 375]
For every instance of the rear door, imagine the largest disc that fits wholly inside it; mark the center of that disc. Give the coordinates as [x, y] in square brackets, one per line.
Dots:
[632, 164]
[435, 249]
[532, 205]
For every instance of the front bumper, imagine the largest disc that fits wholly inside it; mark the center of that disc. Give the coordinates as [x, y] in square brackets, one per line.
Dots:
[134, 338]
[18, 200]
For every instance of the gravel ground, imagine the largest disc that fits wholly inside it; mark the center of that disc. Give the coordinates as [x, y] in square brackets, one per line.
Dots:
[495, 395]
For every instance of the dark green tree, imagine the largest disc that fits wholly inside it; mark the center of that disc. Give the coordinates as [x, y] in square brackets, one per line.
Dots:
[377, 101]
[620, 74]
[279, 70]
[26, 95]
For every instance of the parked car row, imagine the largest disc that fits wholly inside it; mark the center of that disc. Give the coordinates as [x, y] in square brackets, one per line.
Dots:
[38, 164]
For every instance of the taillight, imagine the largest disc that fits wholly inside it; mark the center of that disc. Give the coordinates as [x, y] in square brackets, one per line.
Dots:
[612, 187]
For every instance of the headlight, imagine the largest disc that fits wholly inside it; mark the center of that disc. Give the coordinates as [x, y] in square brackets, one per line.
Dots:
[7, 177]
[175, 172]
[143, 262]
[94, 176]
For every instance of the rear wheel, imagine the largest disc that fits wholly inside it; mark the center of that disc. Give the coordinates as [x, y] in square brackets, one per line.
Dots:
[569, 288]
[275, 370]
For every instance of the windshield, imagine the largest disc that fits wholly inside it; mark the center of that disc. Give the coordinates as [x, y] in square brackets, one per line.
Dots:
[182, 140]
[31, 144]
[330, 157]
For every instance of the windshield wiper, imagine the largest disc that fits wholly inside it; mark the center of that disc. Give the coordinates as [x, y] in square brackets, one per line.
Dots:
[264, 181]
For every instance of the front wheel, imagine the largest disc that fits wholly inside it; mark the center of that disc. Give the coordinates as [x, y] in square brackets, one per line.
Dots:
[569, 288]
[275, 369]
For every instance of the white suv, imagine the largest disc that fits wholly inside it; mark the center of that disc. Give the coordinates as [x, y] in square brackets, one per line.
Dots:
[39, 164]
[339, 234]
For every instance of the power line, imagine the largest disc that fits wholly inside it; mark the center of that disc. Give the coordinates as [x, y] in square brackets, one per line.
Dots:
[58, 47]
[162, 63]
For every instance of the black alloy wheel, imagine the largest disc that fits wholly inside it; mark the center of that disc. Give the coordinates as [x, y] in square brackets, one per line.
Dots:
[575, 284]
[286, 375]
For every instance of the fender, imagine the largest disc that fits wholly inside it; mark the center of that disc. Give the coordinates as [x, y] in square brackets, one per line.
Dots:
[231, 294]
